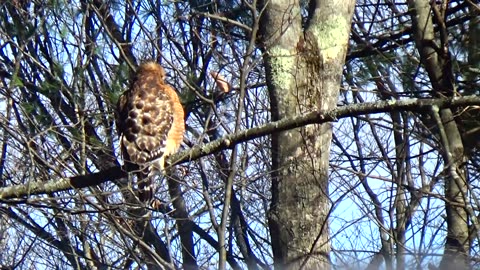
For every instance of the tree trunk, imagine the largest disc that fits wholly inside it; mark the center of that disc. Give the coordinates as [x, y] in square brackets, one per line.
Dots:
[303, 68]
[436, 58]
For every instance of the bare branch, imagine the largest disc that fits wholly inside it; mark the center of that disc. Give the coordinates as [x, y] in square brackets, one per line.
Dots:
[229, 141]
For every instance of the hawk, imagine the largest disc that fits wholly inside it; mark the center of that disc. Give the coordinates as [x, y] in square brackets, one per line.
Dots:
[150, 123]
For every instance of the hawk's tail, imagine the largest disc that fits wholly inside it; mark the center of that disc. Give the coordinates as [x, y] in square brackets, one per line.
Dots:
[146, 188]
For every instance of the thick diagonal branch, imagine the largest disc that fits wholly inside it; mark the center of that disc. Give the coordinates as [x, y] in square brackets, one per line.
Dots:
[316, 117]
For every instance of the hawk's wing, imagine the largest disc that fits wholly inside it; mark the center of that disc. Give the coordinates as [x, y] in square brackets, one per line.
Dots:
[146, 118]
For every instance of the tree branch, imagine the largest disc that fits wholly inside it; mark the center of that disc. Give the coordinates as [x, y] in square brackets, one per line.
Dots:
[315, 117]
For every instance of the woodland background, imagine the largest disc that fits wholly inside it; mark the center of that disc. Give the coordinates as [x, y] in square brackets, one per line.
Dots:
[388, 180]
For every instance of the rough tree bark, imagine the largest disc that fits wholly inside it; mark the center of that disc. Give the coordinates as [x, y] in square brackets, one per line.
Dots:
[303, 60]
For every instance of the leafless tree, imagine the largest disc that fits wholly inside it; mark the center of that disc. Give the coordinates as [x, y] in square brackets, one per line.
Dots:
[285, 163]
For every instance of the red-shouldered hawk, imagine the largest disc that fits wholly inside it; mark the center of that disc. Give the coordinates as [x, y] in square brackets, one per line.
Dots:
[150, 124]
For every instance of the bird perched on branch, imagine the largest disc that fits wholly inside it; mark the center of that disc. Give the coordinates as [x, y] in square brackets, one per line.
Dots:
[150, 123]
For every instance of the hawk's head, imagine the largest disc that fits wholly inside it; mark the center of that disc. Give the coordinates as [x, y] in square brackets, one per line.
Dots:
[151, 68]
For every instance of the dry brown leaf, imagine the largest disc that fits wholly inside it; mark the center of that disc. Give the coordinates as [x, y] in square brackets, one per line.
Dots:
[220, 81]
